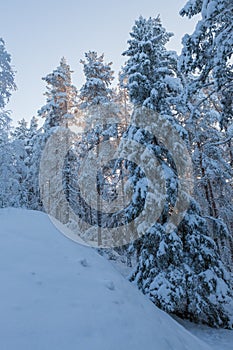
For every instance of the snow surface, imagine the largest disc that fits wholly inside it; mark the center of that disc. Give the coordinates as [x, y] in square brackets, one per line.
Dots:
[57, 294]
[218, 339]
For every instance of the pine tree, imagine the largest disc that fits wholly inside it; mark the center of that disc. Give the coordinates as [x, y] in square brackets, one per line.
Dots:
[153, 83]
[6, 75]
[167, 269]
[209, 49]
[8, 185]
[33, 148]
[182, 273]
[26, 148]
[208, 285]
[20, 132]
[99, 76]
[58, 113]
[19, 147]
[61, 97]
[7, 85]
[151, 69]
[206, 61]
[121, 99]
[94, 107]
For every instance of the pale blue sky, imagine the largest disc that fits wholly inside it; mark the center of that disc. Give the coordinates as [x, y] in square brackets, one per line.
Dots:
[39, 33]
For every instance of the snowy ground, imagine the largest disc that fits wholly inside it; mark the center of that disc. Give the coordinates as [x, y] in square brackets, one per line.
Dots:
[56, 294]
[217, 339]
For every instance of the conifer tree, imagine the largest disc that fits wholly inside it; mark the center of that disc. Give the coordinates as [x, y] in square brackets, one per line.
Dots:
[206, 64]
[61, 97]
[95, 95]
[6, 75]
[167, 268]
[208, 51]
[7, 85]
[19, 147]
[8, 185]
[99, 75]
[33, 148]
[59, 111]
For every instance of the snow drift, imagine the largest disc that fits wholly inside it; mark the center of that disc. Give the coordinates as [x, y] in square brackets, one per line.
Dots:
[57, 294]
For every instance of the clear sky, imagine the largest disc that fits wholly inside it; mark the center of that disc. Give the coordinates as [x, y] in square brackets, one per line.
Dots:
[38, 33]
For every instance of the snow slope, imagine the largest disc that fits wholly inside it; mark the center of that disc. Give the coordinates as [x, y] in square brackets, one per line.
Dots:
[57, 294]
[218, 339]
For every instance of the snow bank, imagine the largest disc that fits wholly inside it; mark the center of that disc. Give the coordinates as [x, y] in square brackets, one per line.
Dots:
[57, 294]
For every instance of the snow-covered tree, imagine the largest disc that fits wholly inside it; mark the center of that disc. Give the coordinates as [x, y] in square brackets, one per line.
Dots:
[19, 147]
[206, 62]
[35, 138]
[182, 273]
[20, 132]
[7, 85]
[26, 150]
[33, 149]
[99, 75]
[8, 185]
[122, 100]
[208, 281]
[61, 97]
[209, 49]
[6, 75]
[151, 71]
[167, 270]
[59, 111]
[213, 173]
[95, 108]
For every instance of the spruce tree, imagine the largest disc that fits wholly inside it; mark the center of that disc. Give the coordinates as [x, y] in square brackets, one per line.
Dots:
[166, 269]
